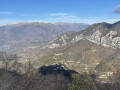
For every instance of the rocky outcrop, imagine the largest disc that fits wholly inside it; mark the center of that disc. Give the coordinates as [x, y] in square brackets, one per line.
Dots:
[108, 40]
[95, 37]
[102, 34]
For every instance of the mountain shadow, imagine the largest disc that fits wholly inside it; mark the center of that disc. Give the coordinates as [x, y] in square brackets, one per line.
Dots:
[55, 70]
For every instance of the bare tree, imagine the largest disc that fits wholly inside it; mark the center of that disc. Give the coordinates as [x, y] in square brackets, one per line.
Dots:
[9, 61]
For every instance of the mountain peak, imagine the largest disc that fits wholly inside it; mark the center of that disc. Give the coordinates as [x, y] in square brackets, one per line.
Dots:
[102, 25]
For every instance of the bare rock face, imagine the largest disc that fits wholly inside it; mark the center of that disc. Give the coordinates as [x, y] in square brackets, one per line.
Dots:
[102, 33]
[77, 38]
[108, 40]
[54, 45]
[95, 37]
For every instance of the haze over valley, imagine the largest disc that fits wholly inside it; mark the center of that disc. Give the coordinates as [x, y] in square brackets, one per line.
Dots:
[59, 45]
[16, 36]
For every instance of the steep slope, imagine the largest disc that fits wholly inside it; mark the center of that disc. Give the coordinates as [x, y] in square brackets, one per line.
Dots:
[20, 35]
[104, 34]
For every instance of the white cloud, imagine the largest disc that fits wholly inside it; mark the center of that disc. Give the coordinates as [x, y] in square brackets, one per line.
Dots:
[58, 14]
[89, 20]
[6, 12]
[72, 16]
[117, 9]
[60, 17]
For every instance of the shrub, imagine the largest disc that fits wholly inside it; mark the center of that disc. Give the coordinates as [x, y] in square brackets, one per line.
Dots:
[81, 82]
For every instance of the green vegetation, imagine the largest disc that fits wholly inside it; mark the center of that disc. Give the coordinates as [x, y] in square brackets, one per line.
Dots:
[81, 82]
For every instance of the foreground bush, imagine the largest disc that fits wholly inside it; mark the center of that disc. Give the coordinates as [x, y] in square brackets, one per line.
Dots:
[53, 77]
[82, 82]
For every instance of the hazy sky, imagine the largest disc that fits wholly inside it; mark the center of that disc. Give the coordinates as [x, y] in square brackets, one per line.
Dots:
[84, 11]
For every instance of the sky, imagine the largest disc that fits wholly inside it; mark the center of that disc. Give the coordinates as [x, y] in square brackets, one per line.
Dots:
[74, 11]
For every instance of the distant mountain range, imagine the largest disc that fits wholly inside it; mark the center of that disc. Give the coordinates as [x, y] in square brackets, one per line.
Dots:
[94, 49]
[15, 36]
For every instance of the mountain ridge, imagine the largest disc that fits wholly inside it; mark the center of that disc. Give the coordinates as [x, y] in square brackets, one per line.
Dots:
[101, 33]
[15, 36]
